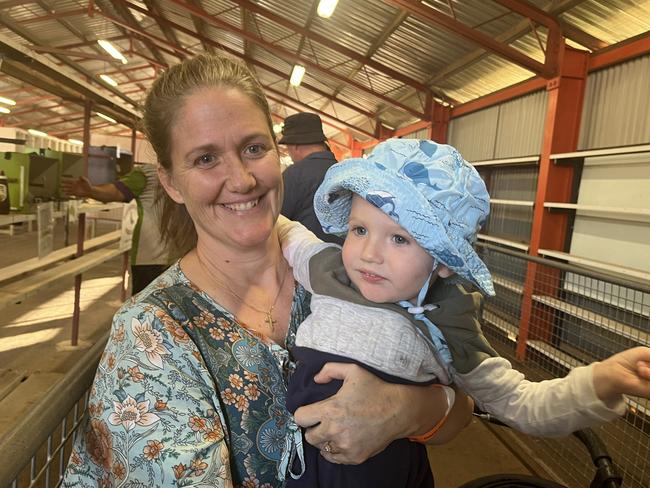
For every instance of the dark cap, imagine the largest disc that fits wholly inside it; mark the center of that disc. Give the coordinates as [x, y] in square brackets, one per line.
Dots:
[302, 128]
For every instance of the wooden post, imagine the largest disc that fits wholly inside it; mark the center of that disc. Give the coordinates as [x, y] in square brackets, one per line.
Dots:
[81, 229]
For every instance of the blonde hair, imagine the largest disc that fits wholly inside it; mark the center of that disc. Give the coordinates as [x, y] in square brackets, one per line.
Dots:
[164, 101]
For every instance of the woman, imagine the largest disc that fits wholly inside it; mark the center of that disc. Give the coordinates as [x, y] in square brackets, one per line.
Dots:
[192, 385]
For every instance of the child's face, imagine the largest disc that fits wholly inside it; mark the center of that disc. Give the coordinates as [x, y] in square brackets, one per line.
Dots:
[383, 261]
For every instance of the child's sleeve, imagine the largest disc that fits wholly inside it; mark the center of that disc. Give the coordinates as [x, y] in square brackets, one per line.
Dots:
[299, 245]
[549, 408]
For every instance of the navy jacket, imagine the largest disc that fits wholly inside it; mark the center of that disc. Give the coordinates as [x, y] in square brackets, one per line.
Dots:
[301, 180]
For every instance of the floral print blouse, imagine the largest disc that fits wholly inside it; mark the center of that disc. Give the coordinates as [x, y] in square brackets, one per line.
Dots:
[185, 396]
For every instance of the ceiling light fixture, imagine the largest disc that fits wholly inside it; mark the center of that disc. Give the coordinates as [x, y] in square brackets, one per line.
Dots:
[296, 75]
[35, 132]
[76, 141]
[112, 50]
[277, 128]
[4, 110]
[326, 8]
[106, 117]
[108, 79]
[7, 101]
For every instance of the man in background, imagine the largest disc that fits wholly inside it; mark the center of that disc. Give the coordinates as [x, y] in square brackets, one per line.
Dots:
[148, 255]
[307, 146]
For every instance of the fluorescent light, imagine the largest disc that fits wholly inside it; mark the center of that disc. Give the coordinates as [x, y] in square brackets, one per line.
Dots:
[35, 132]
[112, 50]
[326, 8]
[296, 75]
[106, 117]
[108, 80]
[76, 141]
[4, 110]
[7, 101]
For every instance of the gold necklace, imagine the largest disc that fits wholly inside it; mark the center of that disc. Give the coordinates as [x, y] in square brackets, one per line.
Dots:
[269, 320]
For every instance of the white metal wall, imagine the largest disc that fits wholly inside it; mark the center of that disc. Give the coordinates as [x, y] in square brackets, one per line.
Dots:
[620, 182]
[617, 106]
[474, 135]
[511, 129]
[521, 126]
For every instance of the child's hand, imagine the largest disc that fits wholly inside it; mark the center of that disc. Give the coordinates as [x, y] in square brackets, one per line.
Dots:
[627, 373]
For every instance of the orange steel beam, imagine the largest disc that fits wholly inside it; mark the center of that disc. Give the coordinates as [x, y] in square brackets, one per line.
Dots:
[554, 38]
[514, 91]
[74, 54]
[286, 54]
[248, 59]
[622, 51]
[178, 51]
[280, 97]
[439, 128]
[617, 53]
[327, 42]
[548, 69]
[415, 126]
[53, 15]
[554, 184]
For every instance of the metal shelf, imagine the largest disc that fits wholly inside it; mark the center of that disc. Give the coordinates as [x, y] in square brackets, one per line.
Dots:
[516, 203]
[507, 161]
[600, 265]
[610, 151]
[598, 320]
[506, 242]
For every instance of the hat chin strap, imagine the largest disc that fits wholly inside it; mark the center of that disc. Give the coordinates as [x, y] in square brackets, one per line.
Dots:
[417, 311]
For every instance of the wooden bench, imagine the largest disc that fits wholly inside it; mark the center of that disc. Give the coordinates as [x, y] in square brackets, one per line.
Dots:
[34, 264]
[16, 291]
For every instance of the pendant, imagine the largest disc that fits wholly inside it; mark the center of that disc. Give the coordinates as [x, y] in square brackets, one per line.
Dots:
[270, 321]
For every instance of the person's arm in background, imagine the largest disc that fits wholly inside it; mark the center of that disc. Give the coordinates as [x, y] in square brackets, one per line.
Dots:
[125, 189]
[82, 187]
[367, 414]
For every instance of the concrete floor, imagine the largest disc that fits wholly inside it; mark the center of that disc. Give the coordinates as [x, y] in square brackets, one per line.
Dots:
[35, 353]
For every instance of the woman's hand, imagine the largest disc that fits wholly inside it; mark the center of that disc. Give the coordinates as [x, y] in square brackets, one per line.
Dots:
[367, 414]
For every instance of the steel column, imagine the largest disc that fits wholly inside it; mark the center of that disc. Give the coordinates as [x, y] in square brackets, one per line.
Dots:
[554, 183]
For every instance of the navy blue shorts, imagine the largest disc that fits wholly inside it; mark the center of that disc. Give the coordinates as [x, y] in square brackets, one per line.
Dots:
[403, 464]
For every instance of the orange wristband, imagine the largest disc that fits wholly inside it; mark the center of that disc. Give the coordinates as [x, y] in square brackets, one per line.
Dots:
[450, 395]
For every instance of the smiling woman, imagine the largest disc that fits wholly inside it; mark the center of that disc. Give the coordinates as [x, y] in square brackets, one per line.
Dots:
[191, 388]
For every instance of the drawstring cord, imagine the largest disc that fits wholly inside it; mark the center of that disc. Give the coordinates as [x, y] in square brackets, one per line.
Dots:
[292, 448]
[418, 310]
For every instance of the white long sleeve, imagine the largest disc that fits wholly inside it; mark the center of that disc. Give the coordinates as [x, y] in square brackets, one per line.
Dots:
[299, 245]
[548, 408]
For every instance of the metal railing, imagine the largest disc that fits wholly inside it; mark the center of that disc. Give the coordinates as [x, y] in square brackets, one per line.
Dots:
[35, 452]
[576, 316]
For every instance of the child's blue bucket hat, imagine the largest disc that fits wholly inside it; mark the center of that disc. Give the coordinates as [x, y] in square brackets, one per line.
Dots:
[427, 188]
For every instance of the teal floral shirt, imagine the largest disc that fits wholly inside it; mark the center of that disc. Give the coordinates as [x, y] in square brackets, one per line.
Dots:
[185, 396]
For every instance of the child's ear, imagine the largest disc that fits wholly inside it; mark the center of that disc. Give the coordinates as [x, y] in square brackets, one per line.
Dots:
[444, 271]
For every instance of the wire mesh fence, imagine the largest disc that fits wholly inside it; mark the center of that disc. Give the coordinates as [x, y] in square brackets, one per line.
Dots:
[36, 450]
[548, 317]
[46, 467]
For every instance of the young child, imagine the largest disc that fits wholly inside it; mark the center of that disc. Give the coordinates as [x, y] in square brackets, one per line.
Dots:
[411, 211]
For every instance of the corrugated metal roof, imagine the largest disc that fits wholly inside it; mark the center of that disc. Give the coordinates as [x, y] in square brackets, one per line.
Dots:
[350, 57]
